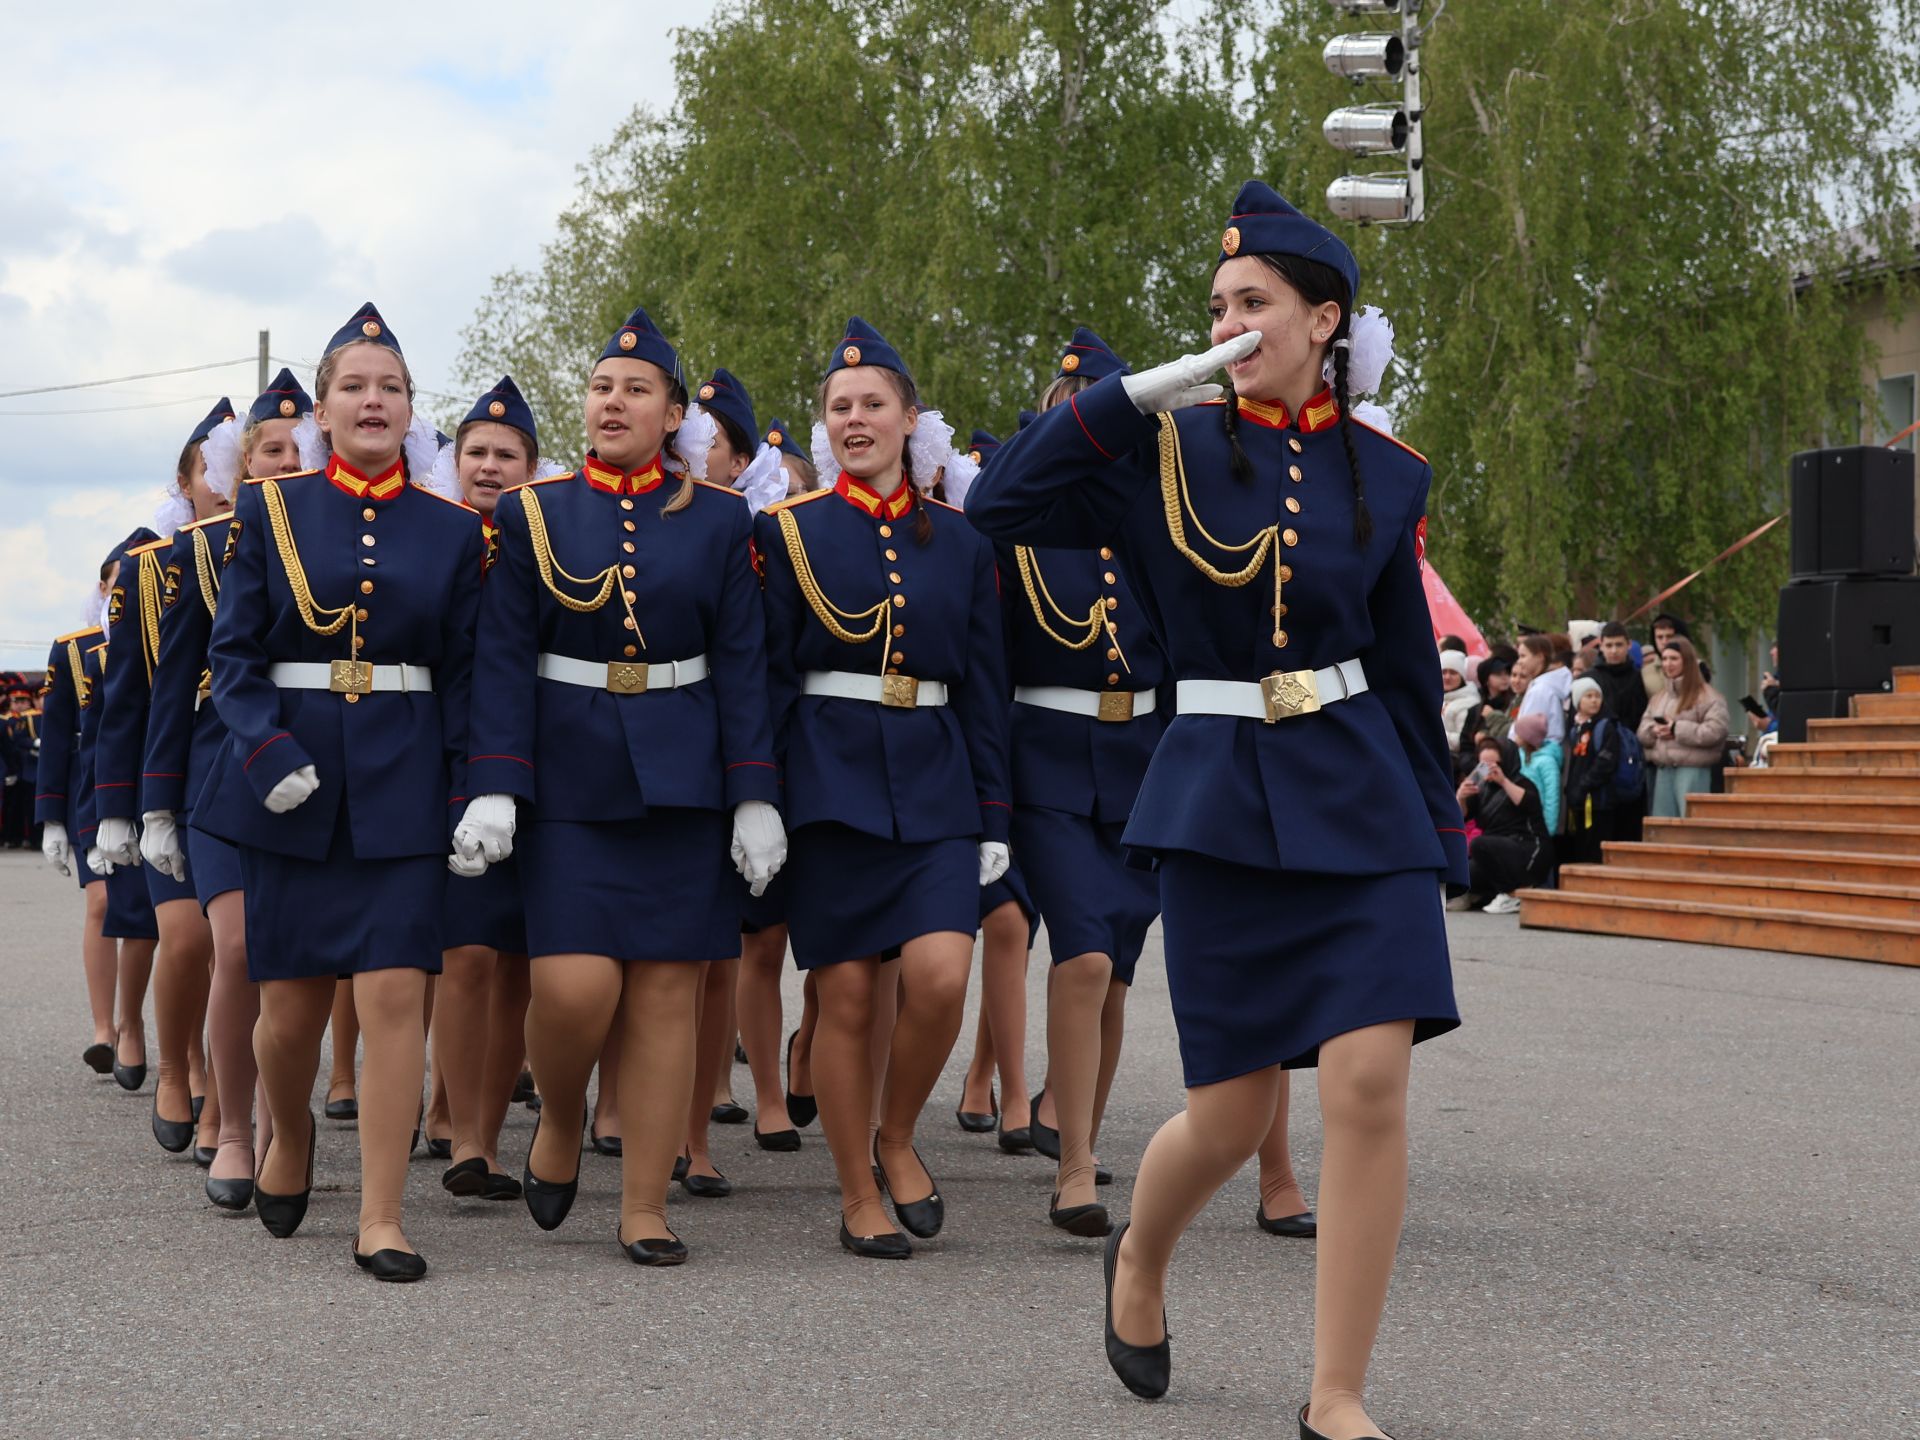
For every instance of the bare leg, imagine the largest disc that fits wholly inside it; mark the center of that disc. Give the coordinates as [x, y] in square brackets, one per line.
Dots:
[606, 1099]
[435, 1117]
[389, 1003]
[286, 1046]
[346, 1042]
[842, 1055]
[1113, 1026]
[506, 1048]
[180, 980]
[932, 997]
[135, 968]
[976, 1091]
[800, 1077]
[463, 1005]
[1280, 1194]
[99, 957]
[658, 1013]
[1076, 998]
[713, 1057]
[574, 1001]
[757, 998]
[1003, 1003]
[886, 1010]
[233, 1006]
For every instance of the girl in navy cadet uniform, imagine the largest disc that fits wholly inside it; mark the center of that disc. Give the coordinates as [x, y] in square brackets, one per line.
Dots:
[183, 963]
[1300, 805]
[888, 681]
[342, 657]
[622, 698]
[185, 737]
[480, 1000]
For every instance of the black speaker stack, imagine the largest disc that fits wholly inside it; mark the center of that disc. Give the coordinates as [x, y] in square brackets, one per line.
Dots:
[1851, 611]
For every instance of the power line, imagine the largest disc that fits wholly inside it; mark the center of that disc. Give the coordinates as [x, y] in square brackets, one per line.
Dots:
[109, 409]
[124, 379]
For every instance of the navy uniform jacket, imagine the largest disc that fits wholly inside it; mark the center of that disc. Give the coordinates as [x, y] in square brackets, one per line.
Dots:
[412, 563]
[929, 773]
[1363, 787]
[22, 734]
[1077, 763]
[182, 741]
[58, 789]
[84, 808]
[580, 753]
[133, 629]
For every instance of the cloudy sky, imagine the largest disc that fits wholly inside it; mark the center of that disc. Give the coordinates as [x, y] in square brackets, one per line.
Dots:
[179, 178]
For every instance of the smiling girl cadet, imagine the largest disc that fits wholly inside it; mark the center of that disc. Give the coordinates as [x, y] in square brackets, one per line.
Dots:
[342, 657]
[1300, 805]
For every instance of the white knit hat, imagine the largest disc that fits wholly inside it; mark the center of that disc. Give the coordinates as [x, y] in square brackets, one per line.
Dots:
[1454, 660]
[1582, 686]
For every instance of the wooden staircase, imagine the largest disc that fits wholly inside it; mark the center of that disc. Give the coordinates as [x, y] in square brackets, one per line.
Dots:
[1817, 855]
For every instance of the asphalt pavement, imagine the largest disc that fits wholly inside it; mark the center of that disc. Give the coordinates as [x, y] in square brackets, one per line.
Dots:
[1658, 1191]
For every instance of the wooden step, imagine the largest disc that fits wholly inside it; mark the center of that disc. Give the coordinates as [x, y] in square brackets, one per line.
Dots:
[1800, 932]
[1838, 866]
[1790, 811]
[1890, 902]
[1891, 731]
[1886, 705]
[1906, 679]
[1893, 784]
[1768, 834]
[1851, 755]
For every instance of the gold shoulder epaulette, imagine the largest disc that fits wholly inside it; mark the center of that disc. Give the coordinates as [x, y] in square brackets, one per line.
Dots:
[457, 504]
[97, 649]
[290, 475]
[76, 635]
[943, 504]
[723, 489]
[1385, 436]
[793, 500]
[225, 517]
[150, 546]
[541, 480]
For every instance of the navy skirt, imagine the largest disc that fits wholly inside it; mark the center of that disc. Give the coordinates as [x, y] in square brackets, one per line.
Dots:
[854, 895]
[162, 887]
[212, 864]
[1010, 886]
[1092, 901]
[129, 909]
[341, 915]
[1264, 966]
[77, 857]
[659, 888]
[763, 912]
[487, 910]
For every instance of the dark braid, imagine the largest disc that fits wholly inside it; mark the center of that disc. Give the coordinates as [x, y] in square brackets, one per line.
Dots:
[1362, 516]
[1238, 465]
[922, 518]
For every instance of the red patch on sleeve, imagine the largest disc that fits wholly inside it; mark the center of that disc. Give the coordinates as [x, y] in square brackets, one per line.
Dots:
[1420, 542]
[758, 561]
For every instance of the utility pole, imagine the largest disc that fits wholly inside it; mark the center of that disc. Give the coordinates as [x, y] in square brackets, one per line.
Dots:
[261, 388]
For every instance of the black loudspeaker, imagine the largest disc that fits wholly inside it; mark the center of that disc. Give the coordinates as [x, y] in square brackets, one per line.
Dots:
[1797, 707]
[1852, 512]
[1847, 634]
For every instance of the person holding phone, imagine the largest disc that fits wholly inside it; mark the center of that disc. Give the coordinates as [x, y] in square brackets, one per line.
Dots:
[1513, 849]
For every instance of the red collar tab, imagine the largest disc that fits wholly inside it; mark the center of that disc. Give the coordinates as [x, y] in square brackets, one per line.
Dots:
[361, 486]
[1319, 413]
[602, 476]
[864, 497]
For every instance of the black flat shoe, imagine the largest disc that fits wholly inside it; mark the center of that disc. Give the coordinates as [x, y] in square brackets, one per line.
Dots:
[739, 1053]
[1146, 1370]
[611, 1145]
[1295, 1227]
[974, 1123]
[398, 1266]
[876, 1247]
[1044, 1138]
[1017, 1142]
[532, 1102]
[1307, 1432]
[203, 1156]
[801, 1109]
[347, 1109]
[468, 1178]
[917, 1217]
[98, 1058]
[728, 1113]
[230, 1194]
[500, 1187]
[173, 1135]
[282, 1214]
[780, 1141]
[671, 1251]
[440, 1149]
[547, 1202]
[706, 1187]
[1102, 1175]
[523, 1088]
[130, 1077]
[1088, 1221]
[680, 1163]
[199, 1103]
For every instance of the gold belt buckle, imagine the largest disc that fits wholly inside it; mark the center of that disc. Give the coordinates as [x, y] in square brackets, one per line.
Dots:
[624, 679]
[1289, 693]
[1116, 705]
[900, 691]
[351, 677]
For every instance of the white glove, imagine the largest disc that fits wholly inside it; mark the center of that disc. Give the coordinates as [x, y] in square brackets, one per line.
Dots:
[759, 844]
[293, 790]
[1182, 382]
[994, 860]
[160, 844]
[118, 842]
[98, 863]
[485, 832]
[467, 867]
[53, 845]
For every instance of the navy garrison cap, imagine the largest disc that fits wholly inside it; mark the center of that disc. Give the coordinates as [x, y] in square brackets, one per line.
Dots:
[1090, 357]
[1027, 417]
[222, 411]
[725, 395]
[505, 405]
[284, 399]
[1264, 224]
[140, 537]
[864, 345]
[640, 339]
[781, 438]
[366, 325]
[982, 446]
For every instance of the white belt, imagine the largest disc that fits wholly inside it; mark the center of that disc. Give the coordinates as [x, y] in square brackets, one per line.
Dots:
[1279, 696]
[1109, 705]
[623, 677]
[351, 677]
[902, 692]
